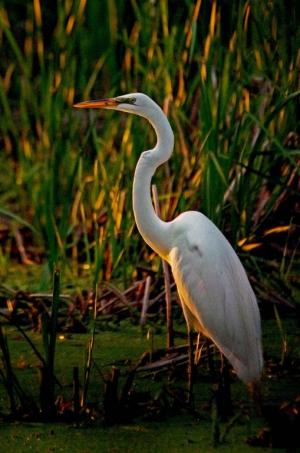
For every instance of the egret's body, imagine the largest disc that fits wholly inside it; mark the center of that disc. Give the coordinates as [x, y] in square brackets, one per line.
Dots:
[215, 293]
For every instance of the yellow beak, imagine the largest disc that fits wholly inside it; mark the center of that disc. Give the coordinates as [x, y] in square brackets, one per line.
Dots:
[97, 104]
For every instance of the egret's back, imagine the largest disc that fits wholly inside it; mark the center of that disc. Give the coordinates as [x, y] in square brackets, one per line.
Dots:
[215, 292]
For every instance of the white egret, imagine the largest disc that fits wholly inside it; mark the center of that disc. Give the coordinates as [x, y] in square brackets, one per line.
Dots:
[216, 296]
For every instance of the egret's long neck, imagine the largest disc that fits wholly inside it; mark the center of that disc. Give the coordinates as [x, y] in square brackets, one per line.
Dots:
[154, 231]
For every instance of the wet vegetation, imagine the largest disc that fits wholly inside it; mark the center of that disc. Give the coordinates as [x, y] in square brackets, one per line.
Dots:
[82, 299]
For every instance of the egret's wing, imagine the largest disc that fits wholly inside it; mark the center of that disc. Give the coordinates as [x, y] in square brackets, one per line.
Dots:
[219, 300]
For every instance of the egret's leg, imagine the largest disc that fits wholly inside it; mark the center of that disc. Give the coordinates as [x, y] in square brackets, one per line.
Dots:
[223, 394]
[256, 397]
[191, 367]
[210, 353]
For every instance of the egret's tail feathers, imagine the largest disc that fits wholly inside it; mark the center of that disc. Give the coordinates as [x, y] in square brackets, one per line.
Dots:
[249, 370]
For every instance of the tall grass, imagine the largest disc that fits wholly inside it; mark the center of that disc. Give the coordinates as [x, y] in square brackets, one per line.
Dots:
[225, 75]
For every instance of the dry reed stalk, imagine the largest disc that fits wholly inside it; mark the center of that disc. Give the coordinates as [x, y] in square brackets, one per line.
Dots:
[170, 333]
[145, 302]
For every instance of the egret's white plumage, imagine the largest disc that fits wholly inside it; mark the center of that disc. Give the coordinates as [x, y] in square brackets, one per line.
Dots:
[216, 295]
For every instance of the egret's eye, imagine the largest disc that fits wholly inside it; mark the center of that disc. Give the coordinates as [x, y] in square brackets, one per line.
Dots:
[131, 101]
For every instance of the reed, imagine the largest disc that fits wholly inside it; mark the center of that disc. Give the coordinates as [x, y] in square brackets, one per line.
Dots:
[226, 77]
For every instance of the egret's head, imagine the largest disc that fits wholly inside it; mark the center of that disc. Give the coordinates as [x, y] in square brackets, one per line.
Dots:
[136, 103]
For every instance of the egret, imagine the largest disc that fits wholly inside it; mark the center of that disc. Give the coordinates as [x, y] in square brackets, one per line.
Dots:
[216, 296]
